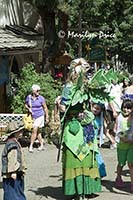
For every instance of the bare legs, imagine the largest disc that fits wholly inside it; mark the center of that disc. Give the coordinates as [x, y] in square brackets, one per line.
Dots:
[119, 171]
[40, 139]
[119, 182]
[36, 134]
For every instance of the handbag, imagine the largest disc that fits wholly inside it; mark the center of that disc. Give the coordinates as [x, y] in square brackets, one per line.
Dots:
[27, 119]
[28, 122]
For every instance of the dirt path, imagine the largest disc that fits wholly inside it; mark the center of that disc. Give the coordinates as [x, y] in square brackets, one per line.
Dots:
[43, 178]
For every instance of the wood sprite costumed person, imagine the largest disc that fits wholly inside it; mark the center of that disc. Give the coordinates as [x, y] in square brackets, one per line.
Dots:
[80, 169]
[81, 177]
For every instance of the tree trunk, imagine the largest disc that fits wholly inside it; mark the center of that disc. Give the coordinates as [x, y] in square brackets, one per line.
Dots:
[63, 26]
[50, 46]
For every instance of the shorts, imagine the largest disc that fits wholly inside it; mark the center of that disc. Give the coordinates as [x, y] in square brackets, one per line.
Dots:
[38, 122]
[124, 155]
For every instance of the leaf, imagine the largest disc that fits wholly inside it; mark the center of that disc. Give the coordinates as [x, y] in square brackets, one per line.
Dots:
[77, 97]
[85, 97]
[99, 96]
[98, 80]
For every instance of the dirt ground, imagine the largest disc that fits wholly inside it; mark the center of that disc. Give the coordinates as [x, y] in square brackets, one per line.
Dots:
[43, 180]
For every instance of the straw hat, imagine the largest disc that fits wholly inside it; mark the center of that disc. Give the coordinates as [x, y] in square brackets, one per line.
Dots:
[14, 127]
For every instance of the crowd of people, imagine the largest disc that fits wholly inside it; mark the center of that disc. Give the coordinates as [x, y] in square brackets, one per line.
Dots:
[85, 121]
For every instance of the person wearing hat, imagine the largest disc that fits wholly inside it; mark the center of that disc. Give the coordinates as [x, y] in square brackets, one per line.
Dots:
[13, 165]
[36, 106]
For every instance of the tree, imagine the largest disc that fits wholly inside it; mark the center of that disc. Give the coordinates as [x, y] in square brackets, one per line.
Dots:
[109, 16]
[28, 76]
[50, 14]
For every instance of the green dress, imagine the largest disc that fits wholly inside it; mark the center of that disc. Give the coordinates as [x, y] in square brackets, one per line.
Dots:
[80, 168]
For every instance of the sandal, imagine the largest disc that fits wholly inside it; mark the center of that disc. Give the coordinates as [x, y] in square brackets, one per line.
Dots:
[119, 183]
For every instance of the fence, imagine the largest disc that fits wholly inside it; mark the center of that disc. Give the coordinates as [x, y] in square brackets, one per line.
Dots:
[6, 118]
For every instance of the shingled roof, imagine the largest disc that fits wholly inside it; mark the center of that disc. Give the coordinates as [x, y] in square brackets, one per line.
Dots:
[10, 42]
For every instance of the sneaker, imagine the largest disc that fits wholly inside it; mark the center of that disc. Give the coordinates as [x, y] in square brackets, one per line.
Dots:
[41, 148]
[119, 183]
[30, 149]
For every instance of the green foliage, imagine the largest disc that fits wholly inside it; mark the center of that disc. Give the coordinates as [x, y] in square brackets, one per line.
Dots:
[98, 80]
[28, 76]
[95, 89]
[79, 97]
[64, 7]
[111, 75]
[122, 75]
[99, 96]
[114, 16]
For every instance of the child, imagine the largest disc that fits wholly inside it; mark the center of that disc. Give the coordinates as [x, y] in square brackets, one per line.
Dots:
[98, 111]
[13, 168]
[124, 137]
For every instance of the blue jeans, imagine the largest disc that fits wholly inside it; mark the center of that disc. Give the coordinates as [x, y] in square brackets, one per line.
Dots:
[13, 189]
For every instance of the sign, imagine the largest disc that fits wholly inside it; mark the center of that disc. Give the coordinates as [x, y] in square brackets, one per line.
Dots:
[97, 54]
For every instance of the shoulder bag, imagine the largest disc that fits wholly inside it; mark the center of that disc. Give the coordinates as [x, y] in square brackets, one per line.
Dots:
[27, 119]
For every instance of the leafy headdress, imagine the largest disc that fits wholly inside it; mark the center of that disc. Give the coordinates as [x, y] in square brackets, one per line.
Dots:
[95, 89]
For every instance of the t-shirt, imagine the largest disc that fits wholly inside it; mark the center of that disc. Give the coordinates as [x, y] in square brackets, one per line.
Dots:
[124, 126]
[116, 92]
[36, 105]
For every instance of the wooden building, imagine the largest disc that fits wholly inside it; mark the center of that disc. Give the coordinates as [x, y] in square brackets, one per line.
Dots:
[19, 43]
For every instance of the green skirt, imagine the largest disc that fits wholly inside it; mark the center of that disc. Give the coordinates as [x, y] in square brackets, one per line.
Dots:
[80, 177]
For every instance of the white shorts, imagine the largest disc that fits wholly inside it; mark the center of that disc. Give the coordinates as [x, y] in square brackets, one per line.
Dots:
[39, 122]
